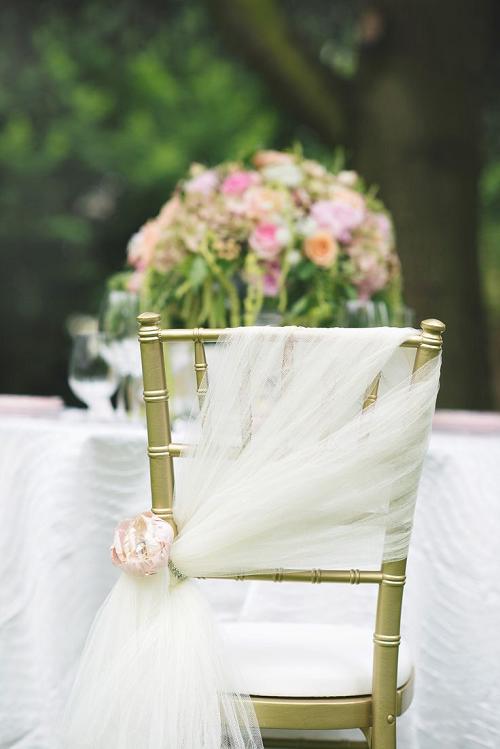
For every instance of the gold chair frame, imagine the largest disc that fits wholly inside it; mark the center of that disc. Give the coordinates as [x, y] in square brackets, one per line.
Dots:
[374, 714]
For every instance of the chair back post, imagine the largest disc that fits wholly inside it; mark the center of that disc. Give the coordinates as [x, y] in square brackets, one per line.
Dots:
[157, 416]
[390, 598]
[200, 365]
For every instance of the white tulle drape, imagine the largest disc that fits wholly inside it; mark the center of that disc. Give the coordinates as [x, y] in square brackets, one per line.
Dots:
[288, 471]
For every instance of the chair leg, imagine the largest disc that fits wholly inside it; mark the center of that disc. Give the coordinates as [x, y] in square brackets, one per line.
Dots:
[384, 739]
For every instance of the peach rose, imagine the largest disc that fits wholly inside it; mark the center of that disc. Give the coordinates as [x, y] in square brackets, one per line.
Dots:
[271, 158]
[321, 248]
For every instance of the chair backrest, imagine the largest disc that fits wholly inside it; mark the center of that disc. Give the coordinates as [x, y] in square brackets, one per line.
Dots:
[162, 451]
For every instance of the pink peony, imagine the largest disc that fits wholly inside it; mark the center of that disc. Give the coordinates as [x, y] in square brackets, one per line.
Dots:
[237, 182]
[341, 215]
[202, 184]
[141, 545]
[267, 240]
[271, 279]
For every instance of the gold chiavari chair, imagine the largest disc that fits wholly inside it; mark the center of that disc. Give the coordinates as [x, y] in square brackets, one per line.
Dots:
[375, 713]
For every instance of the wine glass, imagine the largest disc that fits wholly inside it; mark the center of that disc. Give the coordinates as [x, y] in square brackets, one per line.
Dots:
[358, 313]
[91, 377]
[403, 317]
[118, 325]
[367, 313]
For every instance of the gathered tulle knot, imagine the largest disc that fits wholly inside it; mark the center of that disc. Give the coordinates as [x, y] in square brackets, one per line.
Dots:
[141, 545]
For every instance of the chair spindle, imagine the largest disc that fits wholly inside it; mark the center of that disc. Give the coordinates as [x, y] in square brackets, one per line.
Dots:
[157, 417]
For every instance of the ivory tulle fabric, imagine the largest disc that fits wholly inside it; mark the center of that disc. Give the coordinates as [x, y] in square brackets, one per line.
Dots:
[287, 472]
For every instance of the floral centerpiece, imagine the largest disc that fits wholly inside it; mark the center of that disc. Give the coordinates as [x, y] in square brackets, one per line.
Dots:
[281, 233]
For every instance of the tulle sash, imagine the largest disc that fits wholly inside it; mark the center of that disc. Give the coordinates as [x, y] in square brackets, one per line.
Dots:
[288, 471]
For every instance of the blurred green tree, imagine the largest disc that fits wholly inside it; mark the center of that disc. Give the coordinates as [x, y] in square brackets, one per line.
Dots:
[102, 108]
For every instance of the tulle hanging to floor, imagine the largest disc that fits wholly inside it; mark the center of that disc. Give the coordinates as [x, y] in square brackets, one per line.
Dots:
[287, 472]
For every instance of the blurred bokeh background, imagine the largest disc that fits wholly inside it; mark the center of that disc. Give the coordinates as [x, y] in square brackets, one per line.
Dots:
[103, 107]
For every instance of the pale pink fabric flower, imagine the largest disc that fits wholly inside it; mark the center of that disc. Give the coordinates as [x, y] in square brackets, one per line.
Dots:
[267, 240]
[141, 545]
[237, 182]
[271, 279]
[342, 214]
[203, 183]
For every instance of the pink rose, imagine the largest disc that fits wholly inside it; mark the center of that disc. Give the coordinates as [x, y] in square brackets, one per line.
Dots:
[267, 240]
[141, 545]
[271, 279]
[237, 182]
[202, 184]
[341, 215]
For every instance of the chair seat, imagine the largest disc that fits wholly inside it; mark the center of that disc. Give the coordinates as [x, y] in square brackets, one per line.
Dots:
[279, 659]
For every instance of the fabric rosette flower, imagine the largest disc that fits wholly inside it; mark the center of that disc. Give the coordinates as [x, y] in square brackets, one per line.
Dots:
[141, 545]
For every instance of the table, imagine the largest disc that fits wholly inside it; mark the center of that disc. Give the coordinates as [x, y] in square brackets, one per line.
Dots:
[65, 484]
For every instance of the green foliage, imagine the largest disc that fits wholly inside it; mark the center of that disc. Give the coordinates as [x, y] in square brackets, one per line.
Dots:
[102, 106]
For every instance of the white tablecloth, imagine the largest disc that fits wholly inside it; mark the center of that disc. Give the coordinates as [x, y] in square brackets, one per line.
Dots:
[64, 485]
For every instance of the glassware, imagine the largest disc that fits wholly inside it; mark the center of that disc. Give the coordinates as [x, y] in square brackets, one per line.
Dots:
[403, 317]
[118, 314]
[360, 313]
[118, 324]
[91, 377]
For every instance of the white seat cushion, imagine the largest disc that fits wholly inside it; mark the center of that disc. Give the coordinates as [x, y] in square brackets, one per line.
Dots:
[279, 659]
